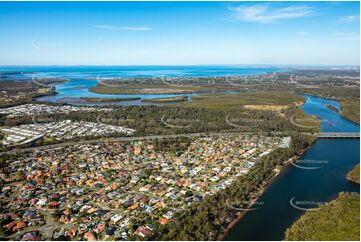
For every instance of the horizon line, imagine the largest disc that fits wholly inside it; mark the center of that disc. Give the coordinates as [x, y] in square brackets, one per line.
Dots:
[117, 65]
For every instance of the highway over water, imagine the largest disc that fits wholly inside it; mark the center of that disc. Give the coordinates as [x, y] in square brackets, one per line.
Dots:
[338, 135]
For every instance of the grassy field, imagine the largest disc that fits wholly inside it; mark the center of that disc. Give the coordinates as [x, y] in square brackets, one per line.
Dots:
[354, 175]
[336, 220]
[351, 109]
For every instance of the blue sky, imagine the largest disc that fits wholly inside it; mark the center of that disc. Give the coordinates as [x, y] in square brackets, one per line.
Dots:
[179, 33]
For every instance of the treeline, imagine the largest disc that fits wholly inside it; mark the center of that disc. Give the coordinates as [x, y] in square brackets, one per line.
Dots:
[208, 219]
[336, 220]
[332, 92]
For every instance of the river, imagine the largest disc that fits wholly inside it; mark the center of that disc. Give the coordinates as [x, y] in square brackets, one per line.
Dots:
[304, 188]
[82, 78]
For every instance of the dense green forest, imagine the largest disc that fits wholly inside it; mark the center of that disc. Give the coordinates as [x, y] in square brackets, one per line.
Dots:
[336, 220]
[156, 120]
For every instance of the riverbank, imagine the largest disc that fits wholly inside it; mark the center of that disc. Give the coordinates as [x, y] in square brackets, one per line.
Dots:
[318, 185]
[350, 109]
[349, 106]
[354, 175]
[278, 171]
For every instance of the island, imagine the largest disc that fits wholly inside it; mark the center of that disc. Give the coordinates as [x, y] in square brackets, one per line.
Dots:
[332, 108]
[108, 100]
[166, 100]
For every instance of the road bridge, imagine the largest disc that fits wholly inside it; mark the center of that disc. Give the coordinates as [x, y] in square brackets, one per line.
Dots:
[338, 135]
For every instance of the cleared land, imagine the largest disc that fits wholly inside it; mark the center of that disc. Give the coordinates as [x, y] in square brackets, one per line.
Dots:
[336, 220]
[276, 108]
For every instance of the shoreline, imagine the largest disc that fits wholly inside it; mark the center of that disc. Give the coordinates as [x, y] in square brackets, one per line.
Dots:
[348, 119]
[96, 90]
[240, 215]
[333, 99]
[190, 92]
[108, 100]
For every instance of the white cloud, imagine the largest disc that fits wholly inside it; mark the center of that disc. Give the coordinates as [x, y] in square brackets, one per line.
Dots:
[346, 36]
[264, 13]
[99, 26]
[137, 28]
[350, 18]
[302, 33]
[103, 26]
